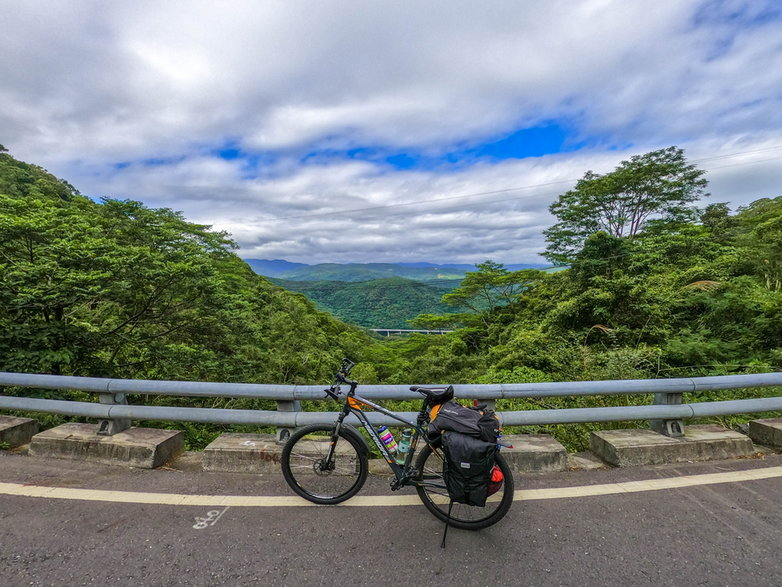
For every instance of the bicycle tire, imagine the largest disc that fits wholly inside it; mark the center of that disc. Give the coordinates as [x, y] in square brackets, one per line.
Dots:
[466, 517]
[302, 464]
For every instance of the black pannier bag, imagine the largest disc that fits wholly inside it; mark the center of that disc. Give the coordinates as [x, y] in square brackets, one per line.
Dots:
[478, 422]
[468, 467]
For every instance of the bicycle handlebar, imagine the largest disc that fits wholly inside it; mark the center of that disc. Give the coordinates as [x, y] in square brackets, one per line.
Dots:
[346, 366]
[341, 377]
[332, 393]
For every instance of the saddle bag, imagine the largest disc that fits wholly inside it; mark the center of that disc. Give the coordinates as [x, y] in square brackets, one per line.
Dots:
[478, 422]
[468, 468]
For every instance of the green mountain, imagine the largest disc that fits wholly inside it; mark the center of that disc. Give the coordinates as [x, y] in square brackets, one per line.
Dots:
[379, 303]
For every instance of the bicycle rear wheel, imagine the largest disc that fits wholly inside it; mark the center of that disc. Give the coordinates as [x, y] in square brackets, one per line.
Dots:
[434, 494]
[306, 470]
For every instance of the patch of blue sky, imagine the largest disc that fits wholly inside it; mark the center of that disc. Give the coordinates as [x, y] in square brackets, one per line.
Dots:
[546, 139]
[521, 144]
[229, 149]
[403, 160]
[253, 164]
[228, 153]
[325, 155]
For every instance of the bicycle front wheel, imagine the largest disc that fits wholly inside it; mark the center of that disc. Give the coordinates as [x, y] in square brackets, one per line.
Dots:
[309, 473]
[434, 494]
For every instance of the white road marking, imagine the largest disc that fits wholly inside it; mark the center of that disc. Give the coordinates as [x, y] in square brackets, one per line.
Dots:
[22, 490]
[209, 520]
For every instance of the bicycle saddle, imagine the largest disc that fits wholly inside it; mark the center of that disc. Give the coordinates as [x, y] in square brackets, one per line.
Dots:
[435, 395]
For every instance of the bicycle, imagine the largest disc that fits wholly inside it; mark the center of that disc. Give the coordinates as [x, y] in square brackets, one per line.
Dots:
[328, 464]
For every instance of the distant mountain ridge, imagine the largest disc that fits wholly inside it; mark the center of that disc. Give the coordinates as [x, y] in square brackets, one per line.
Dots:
[355, 272]
[273, 268]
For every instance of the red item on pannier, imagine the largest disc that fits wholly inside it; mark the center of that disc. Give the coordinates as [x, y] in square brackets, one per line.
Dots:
[495, 481]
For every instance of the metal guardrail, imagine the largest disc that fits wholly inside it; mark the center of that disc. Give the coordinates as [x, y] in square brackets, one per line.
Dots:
[667, 413]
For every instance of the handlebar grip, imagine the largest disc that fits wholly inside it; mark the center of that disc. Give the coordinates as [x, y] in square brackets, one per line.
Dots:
[346, 366]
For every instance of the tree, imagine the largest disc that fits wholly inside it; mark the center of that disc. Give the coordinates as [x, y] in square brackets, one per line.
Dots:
[490, 287]
[659, 184]
[762, 240]
[117, 289]
[482, 293]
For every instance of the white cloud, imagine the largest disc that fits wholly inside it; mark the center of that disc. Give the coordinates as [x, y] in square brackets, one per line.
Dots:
[86, 86]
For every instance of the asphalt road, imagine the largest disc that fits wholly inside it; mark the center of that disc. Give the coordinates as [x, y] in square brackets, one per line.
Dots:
[716, 534]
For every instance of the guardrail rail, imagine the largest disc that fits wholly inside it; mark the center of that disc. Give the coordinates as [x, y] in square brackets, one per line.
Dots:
[666, 414]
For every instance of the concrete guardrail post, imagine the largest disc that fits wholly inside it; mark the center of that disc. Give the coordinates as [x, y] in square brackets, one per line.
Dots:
[671, 428]
[283, 434]
[110, 427]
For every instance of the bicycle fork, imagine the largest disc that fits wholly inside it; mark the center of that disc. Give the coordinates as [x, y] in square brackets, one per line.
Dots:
[328, 463]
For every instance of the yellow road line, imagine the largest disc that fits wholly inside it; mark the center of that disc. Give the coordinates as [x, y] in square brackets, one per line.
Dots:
[22, 490]
[650, 484]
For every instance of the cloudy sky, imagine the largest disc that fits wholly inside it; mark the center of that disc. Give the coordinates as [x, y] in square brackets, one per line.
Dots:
[326, 131]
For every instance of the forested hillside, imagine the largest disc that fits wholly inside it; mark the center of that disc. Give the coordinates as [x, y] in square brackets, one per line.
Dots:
[379, 303]
[118, 289]
[657, 285]
[690, 291]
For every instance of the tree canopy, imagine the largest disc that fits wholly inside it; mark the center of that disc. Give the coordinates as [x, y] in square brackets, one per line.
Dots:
[119, 289]
[660, 184]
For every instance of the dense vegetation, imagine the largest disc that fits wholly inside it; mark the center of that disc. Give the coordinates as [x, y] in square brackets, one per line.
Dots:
[695, 292]
[655, 287]
[379, 303]
[117, 289]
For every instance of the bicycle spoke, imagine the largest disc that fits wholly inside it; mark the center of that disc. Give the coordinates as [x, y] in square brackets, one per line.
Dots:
[306, 470]
[434, 494]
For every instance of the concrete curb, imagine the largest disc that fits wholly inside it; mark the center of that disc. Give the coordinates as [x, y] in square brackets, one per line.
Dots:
[623, 448]
[17, 431]
[767, 432]
[260, 453]
[243, 453]
[144, 448]
[535, 453]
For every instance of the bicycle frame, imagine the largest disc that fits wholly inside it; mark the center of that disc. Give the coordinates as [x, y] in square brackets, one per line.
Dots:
[353, 405]
[338, 475]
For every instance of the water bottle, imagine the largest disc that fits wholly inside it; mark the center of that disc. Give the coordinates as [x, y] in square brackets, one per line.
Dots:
[388, 439]
[404, 446]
